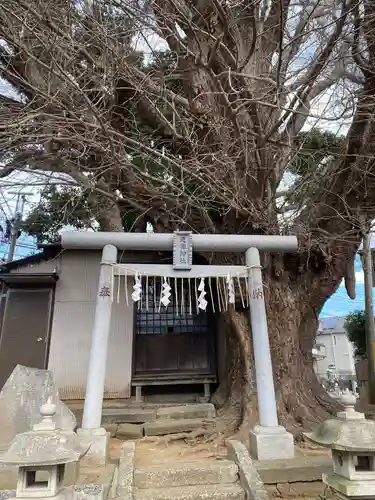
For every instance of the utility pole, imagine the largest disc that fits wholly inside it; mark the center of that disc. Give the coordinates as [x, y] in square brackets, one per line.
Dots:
[16, 222]
[366, 258]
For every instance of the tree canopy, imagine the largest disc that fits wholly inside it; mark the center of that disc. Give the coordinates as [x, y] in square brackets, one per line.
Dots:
[355, 327]
[61, 207]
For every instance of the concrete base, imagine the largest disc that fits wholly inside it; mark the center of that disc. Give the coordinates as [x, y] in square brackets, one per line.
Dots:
[98, 453]
[299, 469]
[271, 443]
[352, 489]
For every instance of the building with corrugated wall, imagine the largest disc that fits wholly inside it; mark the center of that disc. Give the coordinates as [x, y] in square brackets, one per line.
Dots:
[47, 316]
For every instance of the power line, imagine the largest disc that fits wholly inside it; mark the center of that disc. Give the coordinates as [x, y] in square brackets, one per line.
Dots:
[16, 222]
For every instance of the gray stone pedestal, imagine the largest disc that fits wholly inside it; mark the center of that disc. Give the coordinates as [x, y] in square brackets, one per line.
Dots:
[271, 443]
[97, 455]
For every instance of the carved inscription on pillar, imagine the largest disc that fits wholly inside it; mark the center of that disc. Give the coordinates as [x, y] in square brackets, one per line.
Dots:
[256, 293]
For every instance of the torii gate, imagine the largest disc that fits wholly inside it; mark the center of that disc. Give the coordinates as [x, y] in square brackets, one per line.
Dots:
[268, 440]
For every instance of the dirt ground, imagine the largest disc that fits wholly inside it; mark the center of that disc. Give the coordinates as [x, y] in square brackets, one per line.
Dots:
[158, 450]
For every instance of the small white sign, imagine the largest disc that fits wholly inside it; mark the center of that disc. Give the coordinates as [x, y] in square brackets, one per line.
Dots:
[182, 250]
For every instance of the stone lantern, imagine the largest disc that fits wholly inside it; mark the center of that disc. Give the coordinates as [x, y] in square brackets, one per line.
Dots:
[41, 456]
[352, 440]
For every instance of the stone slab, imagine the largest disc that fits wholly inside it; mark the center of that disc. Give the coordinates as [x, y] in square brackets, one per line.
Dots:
[170, 426]
[111, 428]
[250, 479]
[185, 474]
[129, 431]
[127, 415]
[113, 487]
[298, 469]
[187, 411]
[25, 391]
[126, 471]
[271, 443]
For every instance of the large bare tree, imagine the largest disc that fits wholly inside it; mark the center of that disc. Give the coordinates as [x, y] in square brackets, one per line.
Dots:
[188, 113]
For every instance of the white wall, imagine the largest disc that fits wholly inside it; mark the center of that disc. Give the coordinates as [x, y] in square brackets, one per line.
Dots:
[72, 323]
[339, 352]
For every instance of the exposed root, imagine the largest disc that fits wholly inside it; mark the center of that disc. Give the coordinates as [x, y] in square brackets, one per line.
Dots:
[188, 437]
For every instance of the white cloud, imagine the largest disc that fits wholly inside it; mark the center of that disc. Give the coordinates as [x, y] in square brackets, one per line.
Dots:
[359, 277]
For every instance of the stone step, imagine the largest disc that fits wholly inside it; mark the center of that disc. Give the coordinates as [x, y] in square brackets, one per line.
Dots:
[172, 426]
[122, 415]
[204, 410]
[127, 415]
[136, 415]
[204, 492]
[186, 474]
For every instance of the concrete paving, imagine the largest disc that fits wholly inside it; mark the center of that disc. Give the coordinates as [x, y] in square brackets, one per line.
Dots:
[207, 492]
[186, 474]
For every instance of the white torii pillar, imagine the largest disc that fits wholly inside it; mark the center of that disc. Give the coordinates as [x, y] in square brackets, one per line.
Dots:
[91, 430]
[268, 440]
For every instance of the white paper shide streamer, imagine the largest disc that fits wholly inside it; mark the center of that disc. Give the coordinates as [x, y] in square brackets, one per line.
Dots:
[231, 293]
[137, 288]
[165, 293]
[182, 291]
[202, 302]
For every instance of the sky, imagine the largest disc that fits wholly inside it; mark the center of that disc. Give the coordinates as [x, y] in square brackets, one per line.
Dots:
[340, 304]
[26, 245]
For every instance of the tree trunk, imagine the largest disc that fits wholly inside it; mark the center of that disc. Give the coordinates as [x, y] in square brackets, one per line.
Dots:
[292, 324]
[109, 217]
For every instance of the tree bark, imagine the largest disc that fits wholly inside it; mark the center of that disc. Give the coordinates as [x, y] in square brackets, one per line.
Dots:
[109, 217]
[292, 323]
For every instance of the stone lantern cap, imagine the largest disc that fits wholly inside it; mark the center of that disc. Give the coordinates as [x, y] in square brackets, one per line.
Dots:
[44, 445]
[349, 432]
[345, 435]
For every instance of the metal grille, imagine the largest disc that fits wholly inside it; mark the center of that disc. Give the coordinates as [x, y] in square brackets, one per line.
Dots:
[179, 317]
